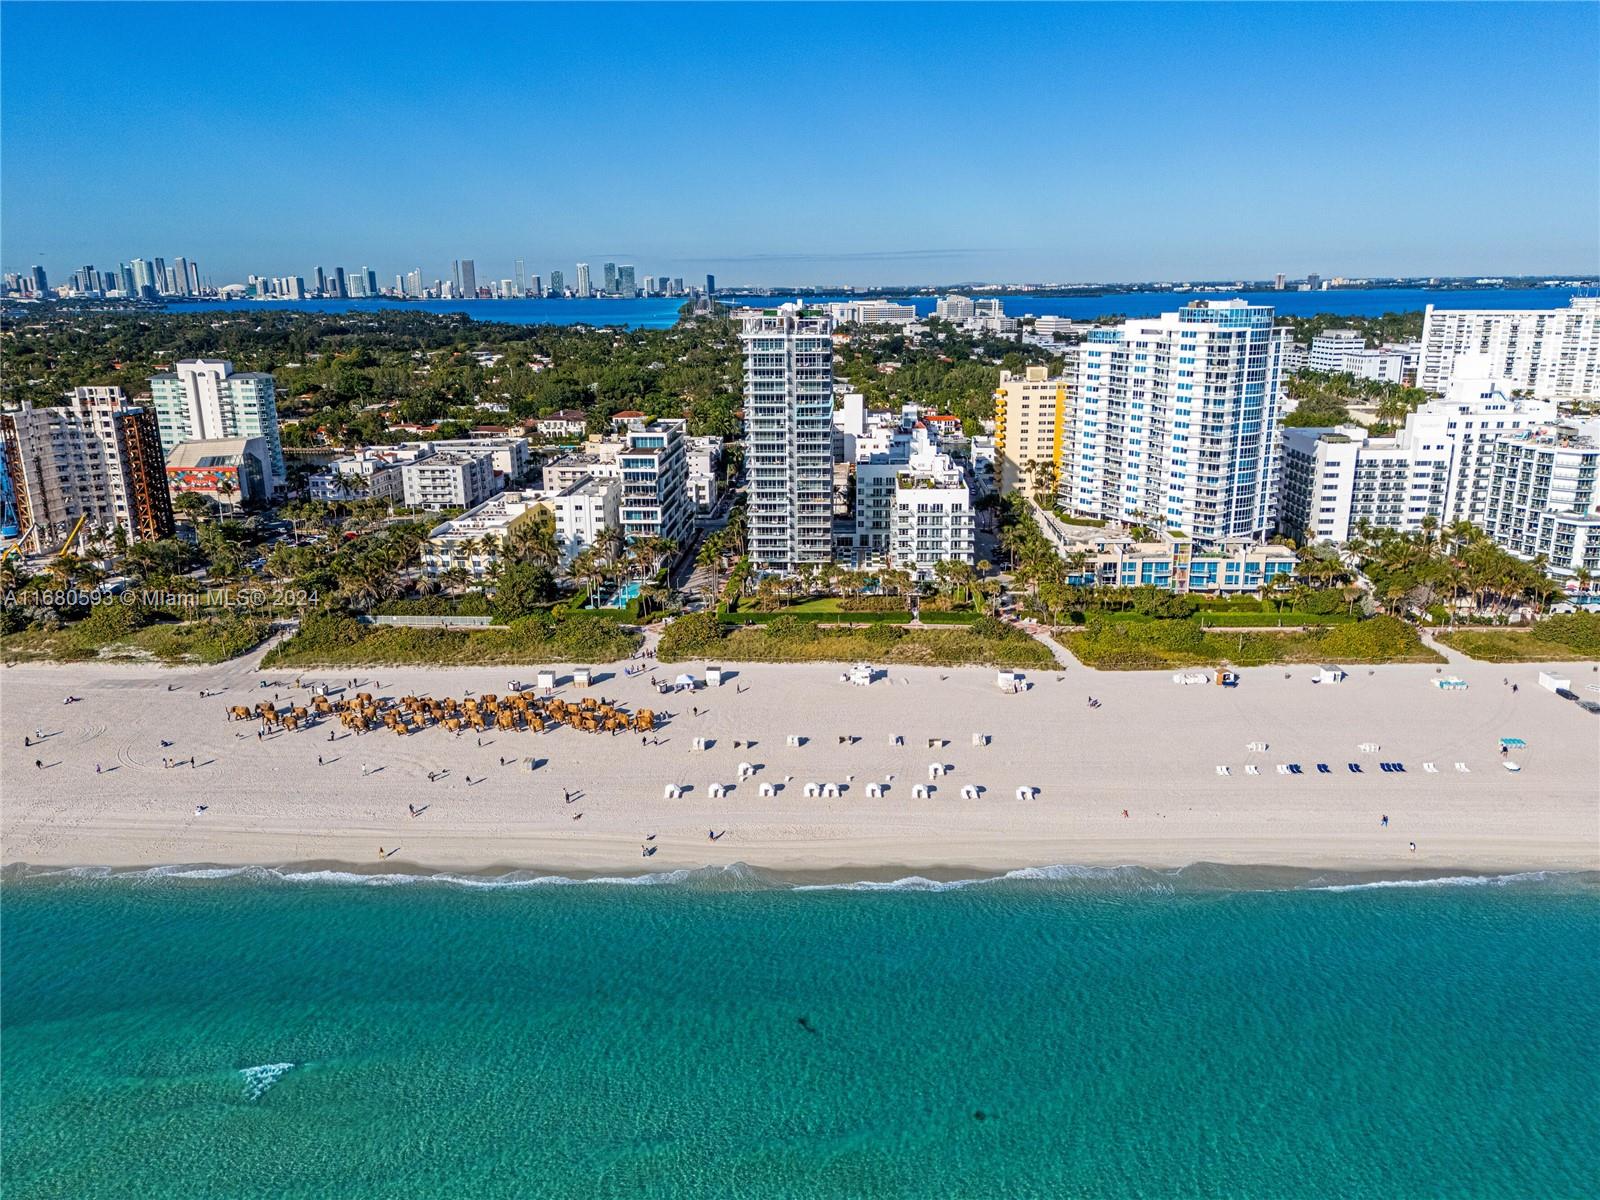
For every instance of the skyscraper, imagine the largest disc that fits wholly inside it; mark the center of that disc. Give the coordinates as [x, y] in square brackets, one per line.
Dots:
[519, 277]
[535, 286]
[194, 278]
[583, 281]
[341, 289]
[469, 279]
[610, 271]
[1173, 421]
[414, 282]
[711, 285]
[322, 282]
[788, 400]
[625, 284]
[161, 280]
[96, 457]
[41, 285]
[203, 398]
[1279, 281]
[558, 283]
[125, 275]
[144, 279]
[372, 281]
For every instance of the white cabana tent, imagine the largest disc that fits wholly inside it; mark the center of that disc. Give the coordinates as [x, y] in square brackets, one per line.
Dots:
[684, 681]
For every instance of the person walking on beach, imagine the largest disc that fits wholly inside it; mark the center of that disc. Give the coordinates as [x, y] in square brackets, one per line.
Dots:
[319, 760]
[38, 764]
[1385, 822]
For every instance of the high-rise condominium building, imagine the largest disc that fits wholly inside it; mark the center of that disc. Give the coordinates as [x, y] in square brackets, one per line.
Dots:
[469, 279]
[535, 286]
[97, 457]
[194, 278]
[205, 399]
[341, 286]
[584, 289]
[1544, 496]
[711, 285]
[1554, 353]
[610, 273]
[163, 279]
[1028, 413]
[655, 499]
[625, 284]
[788, 401]
[322, 282]
[558, 283]
[41, 285]
[1172, 421]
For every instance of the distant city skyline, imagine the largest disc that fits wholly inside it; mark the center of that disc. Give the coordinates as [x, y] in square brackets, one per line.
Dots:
[1148, 143]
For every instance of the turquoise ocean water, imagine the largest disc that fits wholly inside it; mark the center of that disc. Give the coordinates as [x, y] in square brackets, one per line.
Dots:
[1071, 1033]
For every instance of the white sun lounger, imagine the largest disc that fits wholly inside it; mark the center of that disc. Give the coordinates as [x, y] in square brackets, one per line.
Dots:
[795, 739]
[1224, 771]
[1430, 768]
[1257, 746]
[1463, 768]
[1251, 769]
[1283, 768]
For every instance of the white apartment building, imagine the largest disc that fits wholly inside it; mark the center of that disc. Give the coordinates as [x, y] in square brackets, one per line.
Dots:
[932, 516]
[1544, 496]
[1172, 421]
[1552, 353]
[203, 399]
[1029, 411]
[989, 316]
[1345, 352]
[1328, 349]
[703, 458]
[1439, 465]
[583, 514]
[377, 468]
[954, 308]
[655, 499]
[508, 456]
[450, 479]
[472, 542]
[598, 460]
[788, 413]
[97, 457]
[872, 312]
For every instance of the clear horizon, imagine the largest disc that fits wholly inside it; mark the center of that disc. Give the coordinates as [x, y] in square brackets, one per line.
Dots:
[1071, 144]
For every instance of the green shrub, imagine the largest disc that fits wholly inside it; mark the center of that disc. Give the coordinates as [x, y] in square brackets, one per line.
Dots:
[1579, 631]
[694, 636]
[112, 622]
[989, 627]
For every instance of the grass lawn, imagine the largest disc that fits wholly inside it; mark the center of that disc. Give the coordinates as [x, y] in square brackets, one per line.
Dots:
[172, 643]
[946, 647]
[1167, 645]
[334, 640]
[1510, 645]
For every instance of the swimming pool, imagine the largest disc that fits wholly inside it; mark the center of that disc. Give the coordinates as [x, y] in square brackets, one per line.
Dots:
[624, 595]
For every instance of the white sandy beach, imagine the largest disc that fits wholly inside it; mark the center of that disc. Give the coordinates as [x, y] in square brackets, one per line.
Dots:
[1152, 749]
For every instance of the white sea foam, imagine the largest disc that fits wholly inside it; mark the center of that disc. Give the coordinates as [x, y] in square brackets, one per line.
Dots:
[1438, 881]
[258, 1079]
[1198, 877]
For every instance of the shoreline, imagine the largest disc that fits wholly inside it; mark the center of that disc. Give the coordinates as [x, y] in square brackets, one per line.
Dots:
[1193, 877]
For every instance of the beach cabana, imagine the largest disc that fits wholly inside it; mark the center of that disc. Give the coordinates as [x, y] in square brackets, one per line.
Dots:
[1329, 674]
[969, 792]
[546, 680]
[919, 791]
[671, 792]
[980, 739]
[874, 791]
[861, 675]
[767, 789]
[746, 770]
[684, 681]
[581, 676]
[717, 790]
[713, 676]
[795, 739]
[1026, 793]
[1009, 681]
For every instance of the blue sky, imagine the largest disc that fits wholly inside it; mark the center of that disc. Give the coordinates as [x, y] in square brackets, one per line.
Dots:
[805, 144]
